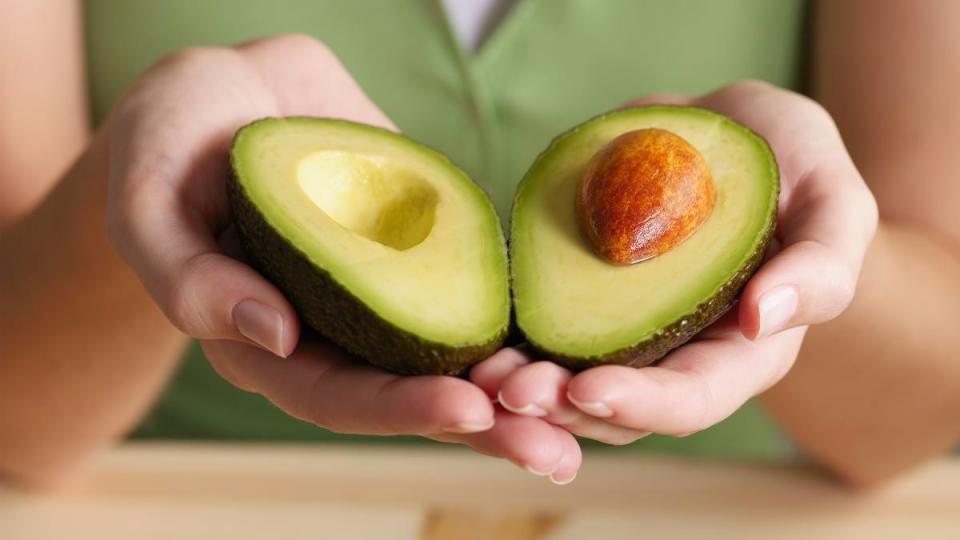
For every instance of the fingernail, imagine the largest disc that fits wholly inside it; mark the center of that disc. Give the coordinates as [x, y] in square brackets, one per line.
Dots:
[777, 307]
[526, 410]
[469, 427]
[261, 324]
[593, 408]
[562, 482]
[535, 472]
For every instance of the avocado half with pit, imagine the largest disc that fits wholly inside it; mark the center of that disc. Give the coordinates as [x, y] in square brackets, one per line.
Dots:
[635, 230]
[382, 244]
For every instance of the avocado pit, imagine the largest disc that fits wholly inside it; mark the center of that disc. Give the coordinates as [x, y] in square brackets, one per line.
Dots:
[642, 194]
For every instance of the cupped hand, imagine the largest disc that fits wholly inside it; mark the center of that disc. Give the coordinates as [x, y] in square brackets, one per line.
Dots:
[826, 219]
[168, 214]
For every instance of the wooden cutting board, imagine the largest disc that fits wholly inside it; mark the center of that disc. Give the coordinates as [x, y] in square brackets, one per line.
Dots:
[237, 492]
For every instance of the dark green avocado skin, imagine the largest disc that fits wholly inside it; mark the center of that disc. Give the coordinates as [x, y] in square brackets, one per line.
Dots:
[648, 351]
[325, 306]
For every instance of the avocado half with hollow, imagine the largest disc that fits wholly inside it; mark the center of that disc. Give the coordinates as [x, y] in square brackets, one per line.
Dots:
[382, 244]
[612, 268]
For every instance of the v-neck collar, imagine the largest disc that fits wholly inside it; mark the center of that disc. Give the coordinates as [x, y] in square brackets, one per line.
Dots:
[504, 23]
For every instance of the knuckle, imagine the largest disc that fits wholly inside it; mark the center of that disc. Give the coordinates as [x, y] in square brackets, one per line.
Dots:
[302, 42]
[180, 298]
[810, 108]
[128, 202]
[443, 402]
[226, 368]
[179, 63]
[828, 281]
[844, 287]
[515, 387]
[189, 56]
[753, 85]
[804, 105]
[118, 223]
[175, 301]
[703, 407]
[543, 368]
[435, 407]
[622, 437]
[814, 109]
[311, 411]
[871, 210]
[652, 99]
[437, 400]
[313, 406]
[742, 88]
[841, 280]
[187, 59]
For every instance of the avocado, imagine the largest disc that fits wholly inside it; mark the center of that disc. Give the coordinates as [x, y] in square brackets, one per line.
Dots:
[625, 292]
[381, 244]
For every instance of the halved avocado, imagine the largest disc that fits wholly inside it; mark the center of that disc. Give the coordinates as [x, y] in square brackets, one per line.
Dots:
[382, 244]
[581, 310]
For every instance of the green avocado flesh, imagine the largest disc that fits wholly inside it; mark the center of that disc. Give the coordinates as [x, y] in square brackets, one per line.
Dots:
[382, 244]
[581, 311]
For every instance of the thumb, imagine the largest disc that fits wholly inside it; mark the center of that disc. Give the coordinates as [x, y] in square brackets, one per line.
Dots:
[826, 228]
[803, 284]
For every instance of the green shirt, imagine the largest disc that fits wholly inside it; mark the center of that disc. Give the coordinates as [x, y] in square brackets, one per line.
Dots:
[548, 66]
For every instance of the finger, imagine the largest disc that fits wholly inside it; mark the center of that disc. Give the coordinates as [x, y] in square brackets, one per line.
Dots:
[570, 463]
[726, 326]
[310, 80]
[222, 358]
[168, 201]
[175, 253]
[530, 443]
[826, 228]
[174, 250]
[658, 99]
[540, 390]
[827, 216]
[319, 384]
[509, 377]
[694, 388]
[490, 373]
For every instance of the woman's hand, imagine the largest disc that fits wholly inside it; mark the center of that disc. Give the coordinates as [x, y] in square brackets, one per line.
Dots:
[169, 220]
[826, 220]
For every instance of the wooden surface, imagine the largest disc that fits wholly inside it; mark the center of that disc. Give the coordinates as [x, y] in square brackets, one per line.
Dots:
[331, 492]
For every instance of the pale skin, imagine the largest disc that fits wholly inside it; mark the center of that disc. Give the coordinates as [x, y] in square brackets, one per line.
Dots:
[873, 391]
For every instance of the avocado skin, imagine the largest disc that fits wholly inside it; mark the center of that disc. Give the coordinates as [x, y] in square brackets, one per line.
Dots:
[654, 348]
[650, 350]
[331, 310]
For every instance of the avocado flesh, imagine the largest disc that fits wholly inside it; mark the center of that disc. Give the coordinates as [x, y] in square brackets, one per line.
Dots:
[382, 244]
[581, 311]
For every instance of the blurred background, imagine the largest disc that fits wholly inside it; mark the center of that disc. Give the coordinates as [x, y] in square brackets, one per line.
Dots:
[174, 450]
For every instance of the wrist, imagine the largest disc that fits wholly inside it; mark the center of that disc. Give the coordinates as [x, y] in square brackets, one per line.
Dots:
[63, 241]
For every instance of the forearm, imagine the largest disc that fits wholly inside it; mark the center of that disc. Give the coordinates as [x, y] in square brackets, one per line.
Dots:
[878, 390]
[83, 350]
[44, 121]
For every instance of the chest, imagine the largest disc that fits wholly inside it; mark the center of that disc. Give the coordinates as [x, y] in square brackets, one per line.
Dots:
[549, 64]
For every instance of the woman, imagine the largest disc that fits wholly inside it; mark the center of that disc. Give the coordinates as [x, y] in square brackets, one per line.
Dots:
[85, 347]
